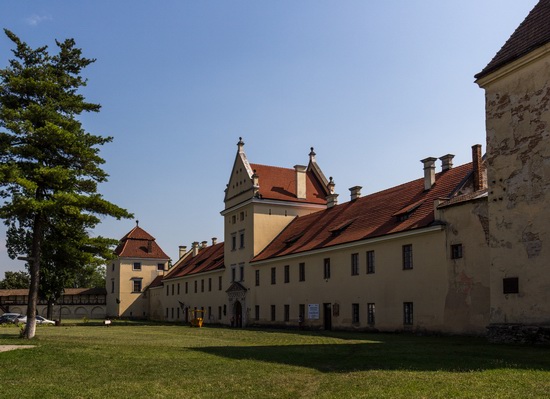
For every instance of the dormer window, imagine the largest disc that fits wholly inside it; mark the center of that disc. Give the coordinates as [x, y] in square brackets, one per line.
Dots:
[341, 227]
[406, 212]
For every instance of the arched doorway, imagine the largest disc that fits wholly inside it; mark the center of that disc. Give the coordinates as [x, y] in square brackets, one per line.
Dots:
[238, 313]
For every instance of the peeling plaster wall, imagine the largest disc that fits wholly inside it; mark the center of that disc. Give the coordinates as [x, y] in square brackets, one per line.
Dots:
[467, 300]
[518, 161]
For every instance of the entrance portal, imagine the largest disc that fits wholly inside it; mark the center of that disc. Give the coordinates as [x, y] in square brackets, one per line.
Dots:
[238, 313]
[327, 315]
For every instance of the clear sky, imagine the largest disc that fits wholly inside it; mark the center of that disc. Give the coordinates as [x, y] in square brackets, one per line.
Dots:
[373, 86]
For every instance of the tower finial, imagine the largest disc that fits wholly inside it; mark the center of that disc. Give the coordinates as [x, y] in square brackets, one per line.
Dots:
[240, 144]
[312, 154]
[137, 223]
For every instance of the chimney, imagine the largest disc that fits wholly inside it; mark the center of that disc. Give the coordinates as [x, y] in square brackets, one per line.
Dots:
[476, 164]
[446, 162]
[332, 198]
[355, 192]
[149, 246]
[182, 250]
[429, 172]
[195, 248]
[214, 240]
[300, 181]
[204, 244]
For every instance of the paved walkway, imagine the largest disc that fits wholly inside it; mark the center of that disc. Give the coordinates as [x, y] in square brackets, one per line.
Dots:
[5, 348]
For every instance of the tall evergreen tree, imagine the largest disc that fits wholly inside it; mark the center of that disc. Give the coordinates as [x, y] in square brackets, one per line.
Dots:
[50, 166]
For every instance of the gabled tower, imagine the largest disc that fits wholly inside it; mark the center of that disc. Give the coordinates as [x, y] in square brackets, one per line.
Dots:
[139, 261]
[517, 92]
[260, 201]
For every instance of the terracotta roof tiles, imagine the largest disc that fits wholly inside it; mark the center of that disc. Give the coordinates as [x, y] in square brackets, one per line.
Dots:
[401, 208]
[139, 244]
[531, 34]
[208, 259]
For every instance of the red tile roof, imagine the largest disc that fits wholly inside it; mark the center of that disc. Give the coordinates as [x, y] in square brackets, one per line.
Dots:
[531, 34]
[280, 184]
[401, 208]
[67, 291]
[208, 259]
[139, 244]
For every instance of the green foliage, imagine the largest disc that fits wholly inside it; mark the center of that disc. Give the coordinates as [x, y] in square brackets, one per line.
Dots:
[50, 167]
[15, 280]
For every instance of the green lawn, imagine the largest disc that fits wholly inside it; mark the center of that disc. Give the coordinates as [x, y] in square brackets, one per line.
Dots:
[169, 361]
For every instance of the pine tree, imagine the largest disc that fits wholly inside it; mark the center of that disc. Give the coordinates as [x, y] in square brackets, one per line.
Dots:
[50, 166]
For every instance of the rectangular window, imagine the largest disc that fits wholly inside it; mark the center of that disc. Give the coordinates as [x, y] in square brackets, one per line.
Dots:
[370, 313]
[196, 284]
[233, 242]
[167, 290]
[354, 264]
[370, 262]
[137, 266]
[355, 313]
[209, 312]
[241, 239]
[273, 312]
[273, 275]
[510, 285]
[326, 268]
[172, 313]
[178, 313]
[456, 251]
[173, 289]
[287, 273]
[202, 285]
[257, 312]
[302, 311]
[160, 266]
[186, 287]
[241, 273]
[233, 274]
[219, 312]
[137, 285]
[112, 287]
[178, 288]
[407, 313]
[113, 267]
[166, 313]
[241, 216]
[407, 257]
[219, 283]
[302, 271]
[287, 312]
[257, 278]
[209, 284]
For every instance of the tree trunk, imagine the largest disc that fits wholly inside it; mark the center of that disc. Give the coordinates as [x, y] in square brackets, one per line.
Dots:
[49, 312]
[34, 266]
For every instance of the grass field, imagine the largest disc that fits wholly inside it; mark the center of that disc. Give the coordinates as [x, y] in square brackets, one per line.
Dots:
[171, 361]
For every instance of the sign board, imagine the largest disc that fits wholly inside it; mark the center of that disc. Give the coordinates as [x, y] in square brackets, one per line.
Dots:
[313, 311]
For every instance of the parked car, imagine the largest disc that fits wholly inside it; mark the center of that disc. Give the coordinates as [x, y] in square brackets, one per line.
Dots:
[39, 320]
[9, 318]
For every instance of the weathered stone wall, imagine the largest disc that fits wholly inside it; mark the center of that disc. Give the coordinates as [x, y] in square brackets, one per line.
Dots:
[518, 334]
[518, 162]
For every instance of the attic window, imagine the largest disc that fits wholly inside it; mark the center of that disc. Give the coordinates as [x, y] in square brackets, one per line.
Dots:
[404, 213]
[293, 239]
[341, 227]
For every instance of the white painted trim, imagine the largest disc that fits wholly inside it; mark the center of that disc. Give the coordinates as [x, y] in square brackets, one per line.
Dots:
[354, 244]
[261, 201]
[514, 65]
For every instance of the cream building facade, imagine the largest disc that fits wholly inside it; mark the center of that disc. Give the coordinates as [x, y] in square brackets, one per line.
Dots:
[457, 250]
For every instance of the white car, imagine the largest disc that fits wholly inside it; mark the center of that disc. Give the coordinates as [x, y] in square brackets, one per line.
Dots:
[39, 320]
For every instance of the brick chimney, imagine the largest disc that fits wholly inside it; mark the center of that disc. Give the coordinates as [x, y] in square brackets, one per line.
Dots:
[446, 162]
[300, 181]
[355, 192]
[476, 165]
[429, 172]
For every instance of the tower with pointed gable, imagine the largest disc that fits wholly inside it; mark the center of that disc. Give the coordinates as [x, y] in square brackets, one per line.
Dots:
[517, 92]
[260, 201]
[139, 261]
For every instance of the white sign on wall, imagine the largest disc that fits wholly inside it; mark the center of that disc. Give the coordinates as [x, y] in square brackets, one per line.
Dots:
[313, 311]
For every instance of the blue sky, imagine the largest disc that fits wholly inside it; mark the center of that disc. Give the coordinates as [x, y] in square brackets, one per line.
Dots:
[374, 86]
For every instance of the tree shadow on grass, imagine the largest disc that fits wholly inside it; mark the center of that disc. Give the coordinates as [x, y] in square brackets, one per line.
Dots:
[423, 355]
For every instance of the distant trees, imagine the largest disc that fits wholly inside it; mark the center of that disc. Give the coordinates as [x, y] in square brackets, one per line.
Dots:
[15, 280]
[50, 166]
